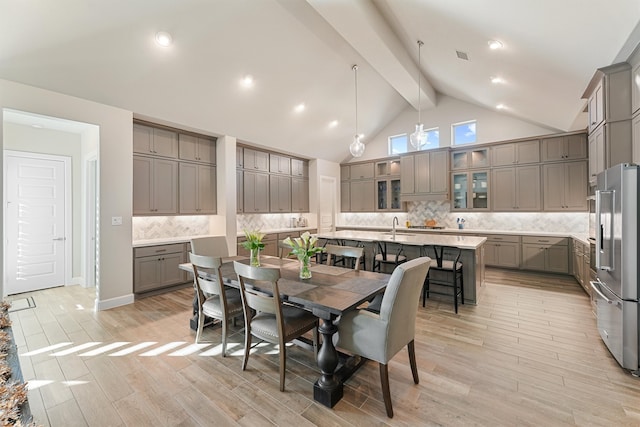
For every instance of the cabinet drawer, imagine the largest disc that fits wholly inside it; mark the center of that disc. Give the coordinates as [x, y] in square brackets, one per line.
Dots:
[503, 238]
[545, 240]
[158, 250]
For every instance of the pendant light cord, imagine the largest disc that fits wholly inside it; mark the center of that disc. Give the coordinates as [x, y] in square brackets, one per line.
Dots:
[355, 70]
[419, 86]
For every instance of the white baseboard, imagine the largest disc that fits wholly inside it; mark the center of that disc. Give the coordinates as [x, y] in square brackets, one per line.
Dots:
[79, 280]
[114, 302]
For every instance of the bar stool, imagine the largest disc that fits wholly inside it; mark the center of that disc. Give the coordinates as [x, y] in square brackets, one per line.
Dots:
[388, 254]
[452, 272]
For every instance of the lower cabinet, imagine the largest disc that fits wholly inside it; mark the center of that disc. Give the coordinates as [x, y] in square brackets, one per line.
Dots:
[550, 254]
[156, 267]
[270, 245]
[502, 251]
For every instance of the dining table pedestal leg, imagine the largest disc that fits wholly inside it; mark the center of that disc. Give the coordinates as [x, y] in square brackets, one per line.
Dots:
[328, 389]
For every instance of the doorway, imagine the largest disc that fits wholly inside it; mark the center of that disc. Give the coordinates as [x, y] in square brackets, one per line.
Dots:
[327, 204]
[38, 221]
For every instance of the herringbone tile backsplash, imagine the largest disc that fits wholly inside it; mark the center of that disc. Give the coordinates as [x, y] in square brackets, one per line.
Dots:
[155, 227]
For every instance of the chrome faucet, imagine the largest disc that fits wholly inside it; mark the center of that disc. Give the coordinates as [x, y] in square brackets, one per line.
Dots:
[393, 225]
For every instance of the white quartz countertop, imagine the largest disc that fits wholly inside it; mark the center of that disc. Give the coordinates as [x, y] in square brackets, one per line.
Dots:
[407, 238]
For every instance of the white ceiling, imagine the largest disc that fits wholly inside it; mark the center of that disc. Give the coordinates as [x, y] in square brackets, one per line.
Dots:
[303, 51]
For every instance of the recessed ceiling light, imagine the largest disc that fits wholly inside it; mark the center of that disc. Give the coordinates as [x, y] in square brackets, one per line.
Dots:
[247, 81]
[333, 123]
[501, 107]
[163, 38]
[495, 44]
[496, 80]
[299, 108]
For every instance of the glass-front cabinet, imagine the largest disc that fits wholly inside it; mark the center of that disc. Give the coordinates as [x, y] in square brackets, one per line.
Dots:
[470, 159]
[388, 195]
[470, 190]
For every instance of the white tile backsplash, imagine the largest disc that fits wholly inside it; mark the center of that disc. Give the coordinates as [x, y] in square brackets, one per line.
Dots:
[155, 227]
[418, 212]
[267, 221]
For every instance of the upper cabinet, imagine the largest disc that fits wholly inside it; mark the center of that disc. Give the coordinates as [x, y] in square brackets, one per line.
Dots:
[568, 147]
[359, 187]
[389, 167]
[425, 176]
[197, 149]
[155, 186]
[565, 186]
[300, 168]
[155, 141]
[257, 160]
[361, 171]
[515, 153]
[470, 158]
[279, 164]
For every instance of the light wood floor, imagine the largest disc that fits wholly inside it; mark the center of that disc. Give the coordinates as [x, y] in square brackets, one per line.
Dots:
[527, 354]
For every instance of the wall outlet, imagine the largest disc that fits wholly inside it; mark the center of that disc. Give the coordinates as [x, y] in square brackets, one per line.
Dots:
[116, 220]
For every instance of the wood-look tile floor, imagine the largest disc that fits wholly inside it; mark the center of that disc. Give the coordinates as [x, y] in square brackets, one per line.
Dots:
[527, 354]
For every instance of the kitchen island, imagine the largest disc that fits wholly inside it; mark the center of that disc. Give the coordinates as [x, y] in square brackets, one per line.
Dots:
[414, 244]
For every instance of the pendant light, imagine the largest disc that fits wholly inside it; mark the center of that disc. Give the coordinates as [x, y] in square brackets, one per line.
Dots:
[419, 137]
[357, 147]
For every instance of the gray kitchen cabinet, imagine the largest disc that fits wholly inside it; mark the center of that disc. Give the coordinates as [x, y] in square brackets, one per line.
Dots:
[197, 149]
[197, 189]
[470, 191]
[389, 167]
[299, 195]
[515, 153]
[635, 137]
[256, 160]
[609, 95]
[470, 159]
[568, 147]
[239, 157]
[424, 176]
[362, 195]
[516, 189]
[345, 196]
[156, 267]
[239, 191]
[256, 192]
[300, 168]
[595, 106]
[279, 193]
[270, 245]
[345, 172]
[596, 154]
[634, 60]
[155, 141]
[388, 194]
[361, 171]
[279, 164]
[502, 251]
[155, 186]
[577, 262]
[541, 253]
[565, 186]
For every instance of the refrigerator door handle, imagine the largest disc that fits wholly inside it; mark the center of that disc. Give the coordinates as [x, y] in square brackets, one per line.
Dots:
[596, 287]
[605, 202]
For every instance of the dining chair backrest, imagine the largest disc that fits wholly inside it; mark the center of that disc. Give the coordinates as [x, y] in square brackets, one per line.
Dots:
[267, 301]
[215, 246]
[283, 249]
[210, 264]
[334, 251]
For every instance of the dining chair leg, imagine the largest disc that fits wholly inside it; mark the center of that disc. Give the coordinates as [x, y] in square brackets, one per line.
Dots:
[200, 327]
[224, 337]
[411, 348]
[247, 346]
[283, 364]
[386, 394]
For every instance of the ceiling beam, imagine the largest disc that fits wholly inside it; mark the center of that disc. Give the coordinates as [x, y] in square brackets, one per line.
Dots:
[360, 23]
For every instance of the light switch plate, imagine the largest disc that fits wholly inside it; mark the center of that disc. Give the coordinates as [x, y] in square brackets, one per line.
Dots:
[116, 220]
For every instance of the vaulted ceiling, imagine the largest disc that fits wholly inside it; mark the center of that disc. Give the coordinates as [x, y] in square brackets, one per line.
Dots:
[303, 51]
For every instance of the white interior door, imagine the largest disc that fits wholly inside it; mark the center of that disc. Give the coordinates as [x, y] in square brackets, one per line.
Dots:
[37, 229]
[327, 201]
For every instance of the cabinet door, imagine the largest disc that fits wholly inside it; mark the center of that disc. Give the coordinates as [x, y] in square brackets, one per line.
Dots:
[553, 186]
[438, 172]
[165, 143]
[596, 106]
[239, 191]
[553, 149]
[508, 255]
[142, 139]
[142, 185]
[407, 174]
[362, 196]
[279, 193]
[527, 191]
[490, 254]
[575, 147]
[423, 173]
[171, 273]
[635, 89]
[382, 194]
[527, 152]
[480, 190]
[596, 154]
[299, 195]
[188, 188]
[362, 171]
[256, 192]
[345, 173]
[207, 195]
[188, 147]
[345, 196]
[533, 257]
[279, 164]
[165, 186]
[147, 273]
[460, 187]
[503, 183]
[257, 160]
[635, 138]
[239, 157]
[207, 150]
[503, 155]
[299, 168]
[575, 190]
[557, 259]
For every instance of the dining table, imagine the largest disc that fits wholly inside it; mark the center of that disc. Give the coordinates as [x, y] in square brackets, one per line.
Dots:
[330, 292]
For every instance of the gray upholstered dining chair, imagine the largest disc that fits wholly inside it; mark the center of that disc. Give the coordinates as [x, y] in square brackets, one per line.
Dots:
[266, 317]
[213, 299]
[352, 252]
[215, 246]
[380, 336]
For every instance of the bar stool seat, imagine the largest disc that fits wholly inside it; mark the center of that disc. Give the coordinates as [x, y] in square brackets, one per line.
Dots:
[445, 273]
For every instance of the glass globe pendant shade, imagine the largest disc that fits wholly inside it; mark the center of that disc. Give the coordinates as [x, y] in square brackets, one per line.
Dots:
[356, 147]
[419, 137]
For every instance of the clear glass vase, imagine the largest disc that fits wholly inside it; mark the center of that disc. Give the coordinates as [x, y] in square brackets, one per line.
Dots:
[305, 267]
[255, 258]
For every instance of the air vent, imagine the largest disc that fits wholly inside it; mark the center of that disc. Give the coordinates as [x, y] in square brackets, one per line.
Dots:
[462, 55]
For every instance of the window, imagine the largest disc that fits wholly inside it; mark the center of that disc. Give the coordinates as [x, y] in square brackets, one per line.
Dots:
[398, 144]
[464, 133]
[433, 139]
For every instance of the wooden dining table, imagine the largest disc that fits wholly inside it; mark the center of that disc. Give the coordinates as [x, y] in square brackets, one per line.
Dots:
[329, 293]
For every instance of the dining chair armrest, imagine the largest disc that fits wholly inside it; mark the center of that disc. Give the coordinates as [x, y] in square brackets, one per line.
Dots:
[364, 333]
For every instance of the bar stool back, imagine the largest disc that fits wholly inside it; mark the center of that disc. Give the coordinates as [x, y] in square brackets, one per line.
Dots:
[451, 269]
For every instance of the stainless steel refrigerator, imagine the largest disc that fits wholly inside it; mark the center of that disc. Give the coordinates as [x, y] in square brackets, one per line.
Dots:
[616, 287]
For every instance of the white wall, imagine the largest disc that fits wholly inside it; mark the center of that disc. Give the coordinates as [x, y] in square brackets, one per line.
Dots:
[116, 174]
[46, 141]
[491, 125]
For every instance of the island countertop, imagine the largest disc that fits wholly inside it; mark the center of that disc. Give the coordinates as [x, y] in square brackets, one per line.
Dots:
[418, 239]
